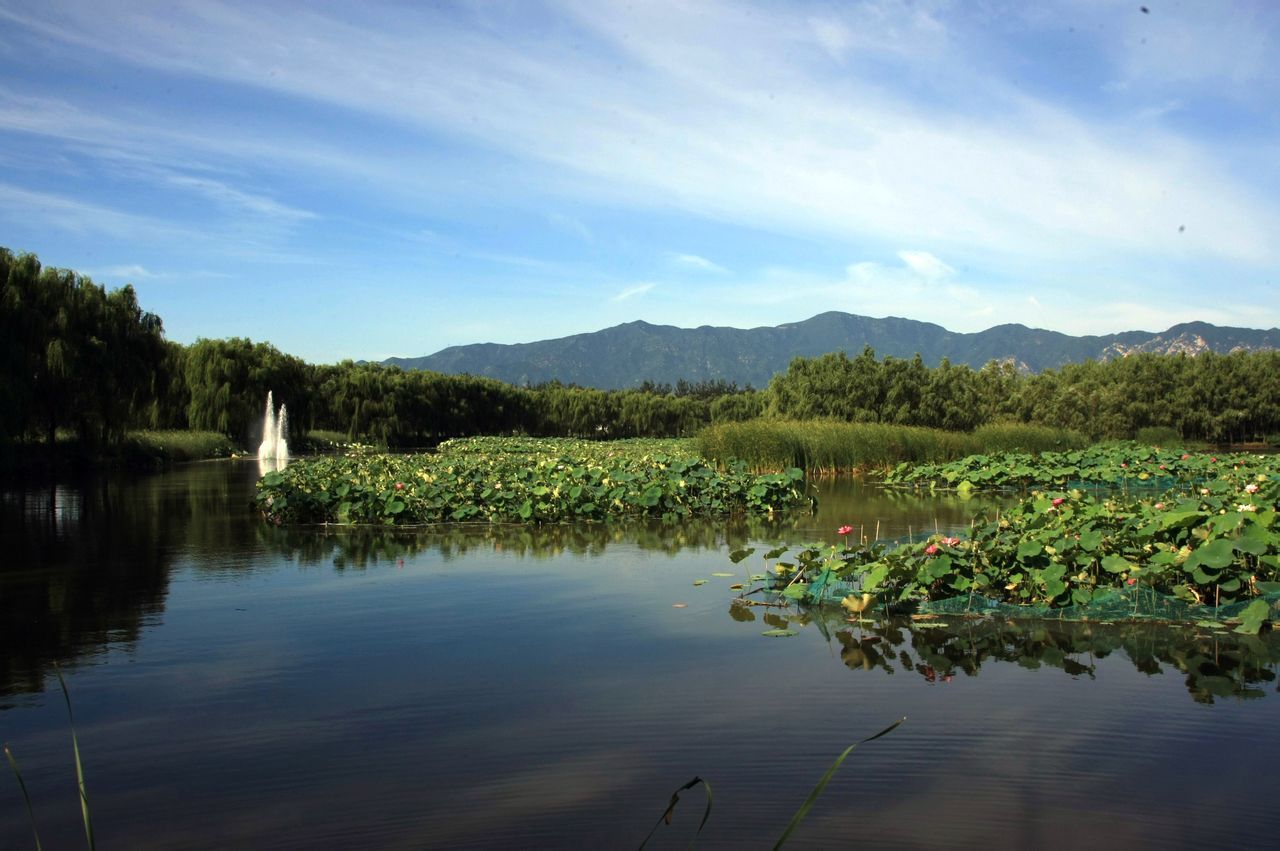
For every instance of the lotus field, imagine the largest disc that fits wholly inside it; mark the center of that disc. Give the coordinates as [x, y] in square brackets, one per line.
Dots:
[1112, 464]
[518, 480]
[1205, 547]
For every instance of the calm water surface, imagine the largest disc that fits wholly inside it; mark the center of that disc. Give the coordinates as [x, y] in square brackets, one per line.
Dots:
[242, 686]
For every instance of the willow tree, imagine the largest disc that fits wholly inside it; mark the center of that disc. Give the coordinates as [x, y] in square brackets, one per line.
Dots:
[229, 380]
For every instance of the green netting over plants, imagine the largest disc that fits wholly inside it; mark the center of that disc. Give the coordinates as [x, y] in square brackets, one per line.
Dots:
[1108, 605]
[1206, 549]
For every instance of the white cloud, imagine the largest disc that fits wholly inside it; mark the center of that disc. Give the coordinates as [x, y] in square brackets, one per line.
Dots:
[76, 216]
[664, 112]
[632, 292]
[925, 265]
[693, 261]
[245, 202]
[647, 112]
[833, 36]
[132, 272]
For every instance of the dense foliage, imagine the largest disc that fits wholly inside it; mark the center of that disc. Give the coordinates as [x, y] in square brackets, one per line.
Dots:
[1211, 539]
[520, 480]
[1119, 463]
[73, 355]
[1217, 398]
[76, 358]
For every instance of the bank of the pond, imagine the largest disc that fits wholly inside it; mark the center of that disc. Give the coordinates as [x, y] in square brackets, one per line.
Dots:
[521, 480]
[1206, 547]
[142, 450]
[832, 446]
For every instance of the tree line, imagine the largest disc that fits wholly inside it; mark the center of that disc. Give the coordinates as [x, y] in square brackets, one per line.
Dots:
[1210, 397]
[77, 358]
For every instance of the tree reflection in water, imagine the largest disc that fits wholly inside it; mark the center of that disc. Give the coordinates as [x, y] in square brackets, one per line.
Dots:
[1214, 663]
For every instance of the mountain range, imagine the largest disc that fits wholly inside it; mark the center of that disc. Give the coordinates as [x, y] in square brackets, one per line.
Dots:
[628, 354]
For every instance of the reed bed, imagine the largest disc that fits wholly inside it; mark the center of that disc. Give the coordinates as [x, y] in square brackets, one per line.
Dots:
[835, 446]
[161, 446]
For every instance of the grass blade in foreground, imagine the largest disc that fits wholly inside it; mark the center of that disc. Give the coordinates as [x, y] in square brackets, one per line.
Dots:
[75, 748]
[671, 807]
[13, 763]
[826, 778]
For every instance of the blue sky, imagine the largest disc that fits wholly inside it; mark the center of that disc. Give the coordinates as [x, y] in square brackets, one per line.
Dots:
[376, 179]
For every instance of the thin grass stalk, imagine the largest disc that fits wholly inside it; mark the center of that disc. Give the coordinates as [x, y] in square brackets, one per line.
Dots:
[31, 814]
[75, 748]
[669, 812]
[803, 812]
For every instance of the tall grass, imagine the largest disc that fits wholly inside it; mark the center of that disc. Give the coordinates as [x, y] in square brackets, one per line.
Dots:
[170, 446]
[832, 446]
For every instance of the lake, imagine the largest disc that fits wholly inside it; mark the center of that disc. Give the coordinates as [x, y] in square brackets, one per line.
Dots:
[239, 685]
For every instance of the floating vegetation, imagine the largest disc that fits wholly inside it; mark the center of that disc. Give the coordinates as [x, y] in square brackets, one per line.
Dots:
[1206, 549]
[521, 480]
[1113, 464]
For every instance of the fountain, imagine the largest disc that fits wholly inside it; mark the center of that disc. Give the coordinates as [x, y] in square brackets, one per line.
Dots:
[275, 429]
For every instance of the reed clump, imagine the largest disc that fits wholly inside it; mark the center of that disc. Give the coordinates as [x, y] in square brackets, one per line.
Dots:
[835, 446]
[169, 446]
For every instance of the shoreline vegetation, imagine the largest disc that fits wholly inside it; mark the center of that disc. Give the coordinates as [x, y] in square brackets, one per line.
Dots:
[84, 371]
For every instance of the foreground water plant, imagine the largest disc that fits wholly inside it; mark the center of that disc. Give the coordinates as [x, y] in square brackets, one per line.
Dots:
[521, 480]
[80, 783]
[796, 819]
[1198, 549]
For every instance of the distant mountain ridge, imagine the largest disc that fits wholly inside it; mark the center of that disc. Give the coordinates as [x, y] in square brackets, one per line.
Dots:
[628, 354]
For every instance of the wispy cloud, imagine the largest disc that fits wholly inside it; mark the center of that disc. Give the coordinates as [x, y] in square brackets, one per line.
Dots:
[702, 264]
[238, 200]
[131, 272]
[771, 142]
[925, 265]
[632, 292]
[963, 154]
[77, 216]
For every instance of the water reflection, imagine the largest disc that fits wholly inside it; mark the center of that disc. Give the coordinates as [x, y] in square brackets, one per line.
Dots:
[87, 563]
[364, 547]
[271, 465]
[872, 510]
[1214, 664]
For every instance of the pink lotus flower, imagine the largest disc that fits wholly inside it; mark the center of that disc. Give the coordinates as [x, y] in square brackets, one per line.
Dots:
[844, 530]
[1133, 581]
[1161, 466]
[1251, 488]
[399, 486]
[931, 549]
[950, 542]
[1059, 500]
[1213, 460]
[1124, 464]
[1185, 457]
[1159, 506]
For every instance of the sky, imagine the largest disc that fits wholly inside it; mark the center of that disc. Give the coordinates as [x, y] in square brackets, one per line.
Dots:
[378, 179]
